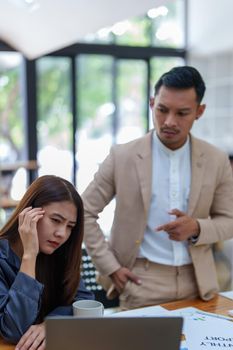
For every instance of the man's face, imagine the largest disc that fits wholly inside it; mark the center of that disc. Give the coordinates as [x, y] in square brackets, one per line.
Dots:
[174, 111]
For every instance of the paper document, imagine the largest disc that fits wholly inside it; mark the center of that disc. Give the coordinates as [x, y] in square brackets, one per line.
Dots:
[150, 311]
[203, 330]
[143, 312]
[228, 294]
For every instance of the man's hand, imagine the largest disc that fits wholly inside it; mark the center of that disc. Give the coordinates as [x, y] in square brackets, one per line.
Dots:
[121, 277]
[33, 339]
[181, 229]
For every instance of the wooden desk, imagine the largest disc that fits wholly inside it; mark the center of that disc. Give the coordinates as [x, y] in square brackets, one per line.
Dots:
[218, 305]
[6, 346]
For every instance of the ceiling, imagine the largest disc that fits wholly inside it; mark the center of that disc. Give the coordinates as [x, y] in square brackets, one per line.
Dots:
[37, 27]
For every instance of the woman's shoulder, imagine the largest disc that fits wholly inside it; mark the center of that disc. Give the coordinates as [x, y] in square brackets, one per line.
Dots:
[7, 255]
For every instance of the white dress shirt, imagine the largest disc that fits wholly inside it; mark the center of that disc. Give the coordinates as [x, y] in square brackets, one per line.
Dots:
[171, 178]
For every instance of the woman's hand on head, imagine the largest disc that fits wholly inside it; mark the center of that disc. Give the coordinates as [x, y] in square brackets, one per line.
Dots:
[33, 339]
[28, 220]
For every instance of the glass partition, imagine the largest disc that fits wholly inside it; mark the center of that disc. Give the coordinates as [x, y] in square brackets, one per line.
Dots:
[12, 140]
[95, 114]
[131, 84]
[95, 121]
[54, 126]
[13, 177]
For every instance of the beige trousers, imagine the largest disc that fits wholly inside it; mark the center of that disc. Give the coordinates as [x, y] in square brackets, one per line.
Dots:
[160, 284]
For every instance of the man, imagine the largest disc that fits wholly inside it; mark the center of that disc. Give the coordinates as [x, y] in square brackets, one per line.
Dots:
[174, 199]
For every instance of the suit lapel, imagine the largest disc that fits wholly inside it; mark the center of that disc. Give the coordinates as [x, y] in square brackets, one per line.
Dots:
[197, 173]
[144, 169]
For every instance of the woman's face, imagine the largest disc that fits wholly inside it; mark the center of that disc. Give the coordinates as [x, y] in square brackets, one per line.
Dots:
[55, 227]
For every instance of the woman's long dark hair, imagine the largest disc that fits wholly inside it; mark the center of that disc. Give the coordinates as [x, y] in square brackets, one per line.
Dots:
[60, 271]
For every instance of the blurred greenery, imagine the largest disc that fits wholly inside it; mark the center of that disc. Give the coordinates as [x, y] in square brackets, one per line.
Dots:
[94, 89]
[94, 84]
[137, 34]
[11, 123]
[54, 99]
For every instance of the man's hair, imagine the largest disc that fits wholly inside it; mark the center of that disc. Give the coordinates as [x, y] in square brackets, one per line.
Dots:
[184, 77]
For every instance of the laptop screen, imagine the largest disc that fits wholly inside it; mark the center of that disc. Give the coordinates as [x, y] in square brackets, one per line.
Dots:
[113, 333]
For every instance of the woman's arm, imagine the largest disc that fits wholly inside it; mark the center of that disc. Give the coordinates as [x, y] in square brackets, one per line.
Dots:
[35, 335]
[19, 305]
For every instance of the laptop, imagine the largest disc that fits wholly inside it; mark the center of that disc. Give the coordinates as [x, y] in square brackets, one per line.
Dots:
[113, 333]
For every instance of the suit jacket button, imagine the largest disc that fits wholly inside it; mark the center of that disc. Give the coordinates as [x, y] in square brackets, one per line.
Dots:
[137, 241]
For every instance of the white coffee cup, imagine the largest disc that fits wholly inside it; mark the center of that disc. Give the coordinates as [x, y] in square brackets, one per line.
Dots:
[88, 308]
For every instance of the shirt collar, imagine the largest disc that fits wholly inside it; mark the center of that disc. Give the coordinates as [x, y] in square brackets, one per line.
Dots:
[167, 150]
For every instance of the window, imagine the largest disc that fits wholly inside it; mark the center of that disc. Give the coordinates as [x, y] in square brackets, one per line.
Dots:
[95, 114]
[54, 126]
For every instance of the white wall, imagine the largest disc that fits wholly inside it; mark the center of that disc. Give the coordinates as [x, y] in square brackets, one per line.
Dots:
[210, 26]
[210, 49]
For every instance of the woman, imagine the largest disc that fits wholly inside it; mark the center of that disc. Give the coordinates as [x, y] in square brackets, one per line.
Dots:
[40, 256]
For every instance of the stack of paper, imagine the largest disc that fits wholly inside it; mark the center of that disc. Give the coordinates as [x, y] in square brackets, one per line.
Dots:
[204, 330]
[151, 311]
[144, 312]
[201, 330]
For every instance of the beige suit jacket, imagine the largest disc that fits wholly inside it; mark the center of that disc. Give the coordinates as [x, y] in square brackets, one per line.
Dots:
[126, 175]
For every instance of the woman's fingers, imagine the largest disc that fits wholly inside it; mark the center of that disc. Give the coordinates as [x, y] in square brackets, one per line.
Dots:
[28, 217]
[33, 339]
[21, 215]
[42, 346]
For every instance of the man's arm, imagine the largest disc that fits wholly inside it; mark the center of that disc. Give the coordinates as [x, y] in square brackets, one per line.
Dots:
[219, 225]
[97, 195]
[121, 277]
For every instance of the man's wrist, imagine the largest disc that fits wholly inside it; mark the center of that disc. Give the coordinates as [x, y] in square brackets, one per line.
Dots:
[194, 238]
